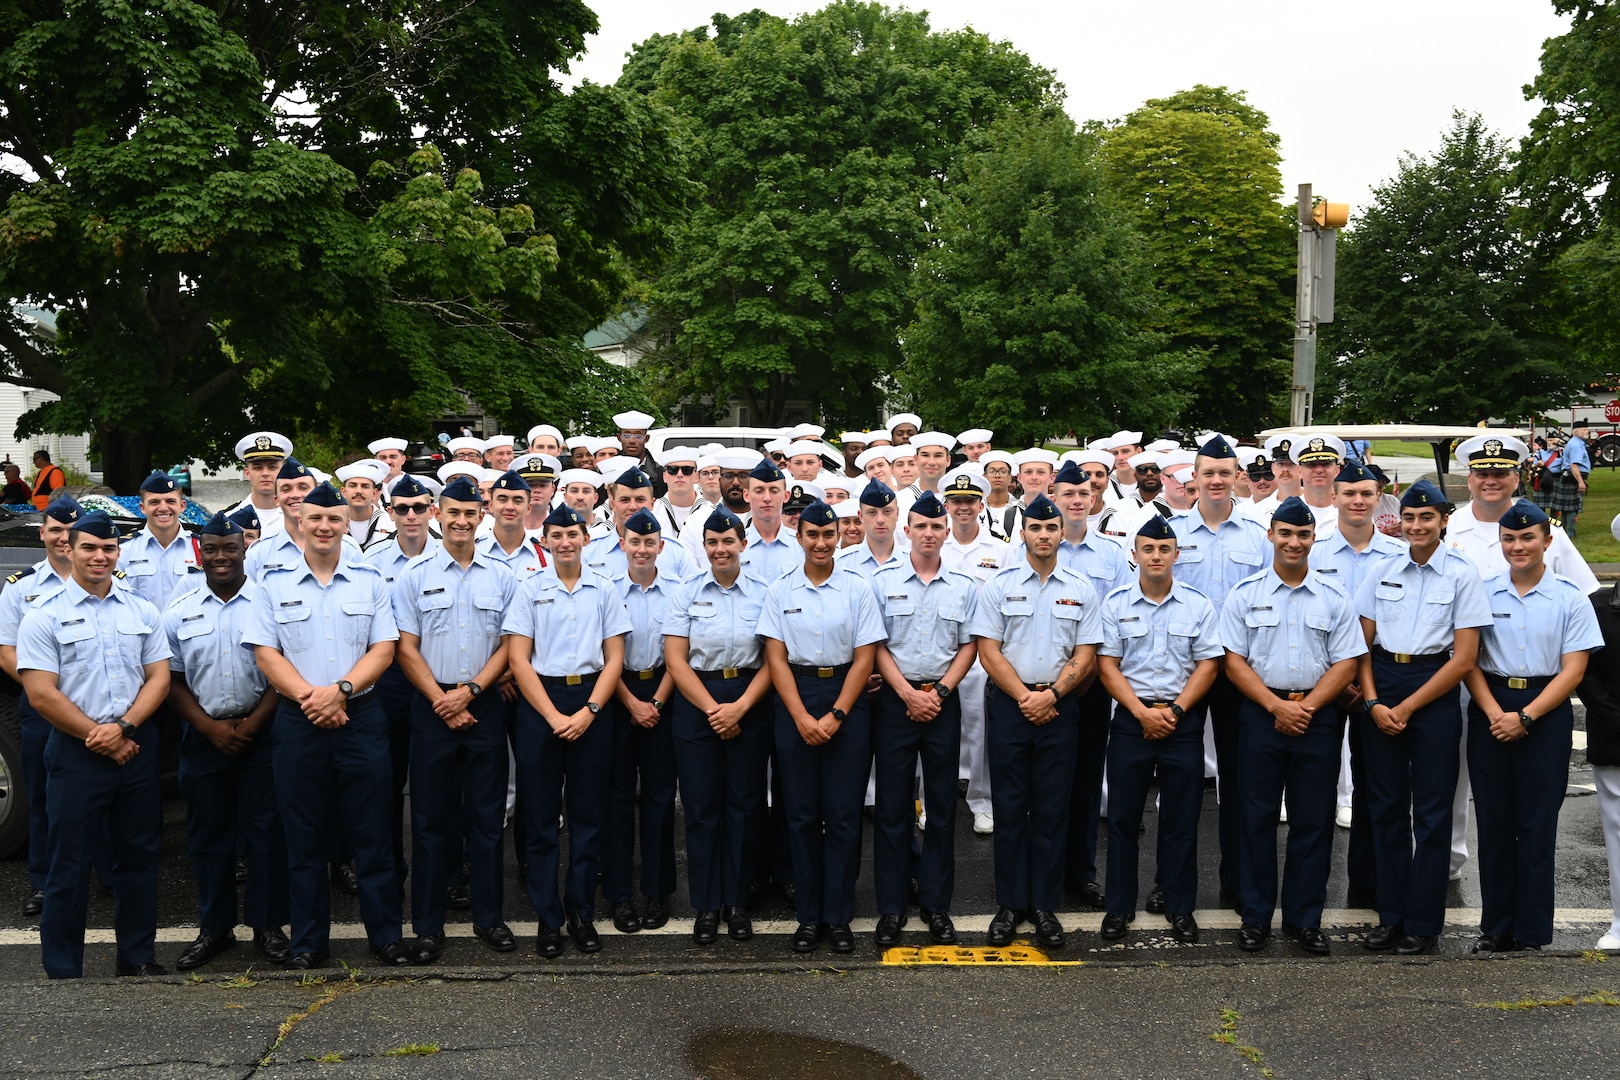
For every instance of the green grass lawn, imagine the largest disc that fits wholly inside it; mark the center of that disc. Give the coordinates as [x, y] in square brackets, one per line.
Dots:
[1594, 541]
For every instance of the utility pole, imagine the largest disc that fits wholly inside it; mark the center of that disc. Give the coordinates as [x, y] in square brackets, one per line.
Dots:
[1319, 223]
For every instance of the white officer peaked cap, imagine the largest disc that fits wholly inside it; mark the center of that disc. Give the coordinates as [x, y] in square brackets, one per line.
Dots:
[810, 488]
[1088, 456]
[738, 457]
[876, 453]
[523, 461]
[1246, 455]
[807, 431]
[1284, 447]
[578, 441]
[633, 421]
[904, 418]
[1034, 455]
[1320, 449]
[1492, 452]
[364, 469]
[458, 468]
[798, 449]
[545, 429]
[975, 434]
[933, 438]
[464, 442]
[580, 476]
[263, 446]
[850, 508]
[672, 455]
[508, 441]
[377, 446]
[1005, 458]
[963, 481]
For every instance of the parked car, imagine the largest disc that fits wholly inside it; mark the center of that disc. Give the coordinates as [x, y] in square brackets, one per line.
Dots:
[425, 458]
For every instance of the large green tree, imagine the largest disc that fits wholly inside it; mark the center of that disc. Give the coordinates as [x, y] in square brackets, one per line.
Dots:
[230, 210]
[1032, 304]
[1200, 173]
[1441, 313]
[824, 146]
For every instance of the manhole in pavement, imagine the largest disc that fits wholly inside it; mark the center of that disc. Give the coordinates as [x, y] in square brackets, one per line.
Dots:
[733, 1054]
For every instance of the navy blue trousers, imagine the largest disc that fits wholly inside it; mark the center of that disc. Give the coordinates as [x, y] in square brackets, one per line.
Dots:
[1361, 864]
[1085, 801]
[1411, 778]
[397, 695]
[458, 805]
[89, 795]
[1518, 791]
[553, 773]
[722, 794]
[642, 784]
[1307, 767]
[1031, 782]
[1223, 702]
[325, 776]
[898, 744]
[824, 788]
[1178, 760]
[231, 807]
[36, 731]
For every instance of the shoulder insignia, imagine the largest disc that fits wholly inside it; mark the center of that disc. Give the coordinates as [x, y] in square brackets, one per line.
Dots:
[119, 574]
[19, 575]
[193, 568]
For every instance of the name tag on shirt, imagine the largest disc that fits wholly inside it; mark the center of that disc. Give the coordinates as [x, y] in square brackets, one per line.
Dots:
[703, 603]
[292, 603]
[1131, 618]
[432, 592]
[1260, 607]
[191, 618]
[544, 600]
[1501, 615]
[1064, 602]
[1392, 584]
[72, 622]
[792, 611]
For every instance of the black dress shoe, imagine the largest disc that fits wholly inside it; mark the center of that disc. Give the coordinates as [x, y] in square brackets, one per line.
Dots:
[273, 944]
[1003, 927]
[656, 915]
[303, 961]
[498, 937]
[941, 930]
[427, 948]
[1252, 938]
[888, 929]
[34, 904]
[706, 927]
[583, 931]
[805, 937]
[625, 918]
[142, 969]
[1048, 931]
[548, 943]
[394, 954]
[458, 897]
[1381, 937]
[1113, 926]
[241, 871]
[1184, 928]
[738, 924]
[204, 949]
[345, 878]
[840, 938]
[1090, 896]
[1155, 901]
[1496, 943]
[1415, 945]
[1310, 938]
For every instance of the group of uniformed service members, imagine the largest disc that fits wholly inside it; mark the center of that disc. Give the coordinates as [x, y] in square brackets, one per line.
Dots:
[785, 638]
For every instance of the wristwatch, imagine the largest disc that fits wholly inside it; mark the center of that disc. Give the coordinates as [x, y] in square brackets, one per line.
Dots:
[839, 715]
[594, 707]
[474, 687]
[1367, 706]
[345, 687]
[1524, 718]
[659, 705]
[1177, 711]
[943, 691]
[129, 729]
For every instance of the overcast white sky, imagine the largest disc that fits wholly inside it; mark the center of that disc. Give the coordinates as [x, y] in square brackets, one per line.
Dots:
[1347, 86]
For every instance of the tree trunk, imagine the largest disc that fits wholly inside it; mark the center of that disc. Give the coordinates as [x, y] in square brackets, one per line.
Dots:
[126, 457]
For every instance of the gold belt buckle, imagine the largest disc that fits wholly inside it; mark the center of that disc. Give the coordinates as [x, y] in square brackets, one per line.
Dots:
[925, 686]
[573, 680]
[728, 673]
[1518, 684]
[825, 672]
[645, 676]
[1296, 696]
[1402, 657]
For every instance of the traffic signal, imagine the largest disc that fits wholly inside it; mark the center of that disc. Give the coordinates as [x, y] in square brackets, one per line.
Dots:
[1330, 215]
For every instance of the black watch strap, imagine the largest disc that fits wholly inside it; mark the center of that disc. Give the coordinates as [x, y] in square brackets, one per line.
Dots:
[839, 714]
[1177, 711]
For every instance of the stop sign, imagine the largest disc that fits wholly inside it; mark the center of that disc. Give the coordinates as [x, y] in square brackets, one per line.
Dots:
[1611, 412]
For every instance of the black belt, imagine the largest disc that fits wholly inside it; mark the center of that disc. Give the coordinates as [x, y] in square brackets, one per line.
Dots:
[811, 671]
[569, 680]
[923, 684]
[1517, 682]
[1039, 686]
[1289, 695]
[644, 674]
[726, 673]
[1410, 658]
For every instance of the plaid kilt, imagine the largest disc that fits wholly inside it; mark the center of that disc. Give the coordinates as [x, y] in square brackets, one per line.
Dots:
[1565, 494]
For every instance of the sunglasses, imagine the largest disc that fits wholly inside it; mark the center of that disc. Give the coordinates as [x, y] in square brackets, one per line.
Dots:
[681, 470]
[1267, 475]
[1147, 468]
[407, 509]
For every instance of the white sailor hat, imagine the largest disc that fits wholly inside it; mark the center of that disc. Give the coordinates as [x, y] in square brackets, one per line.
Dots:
[778, 446]
[633, 421]
[1162, 446]
[464, 442]
[458, 468]
[707, 461]
[580, 476]
[606, 442]
[545, 429]
[1035, 455]
[738, 457]
[377, 446]
[364, 469]
[803, 448]
[508, 441]
[578, 441]
[857, 437]
[1123, 438]
[1177, 458]
[1146, 457]
[1492, 452]
[1088, 456]
[829, 481]
[975, 434]
[850, 508]
[1180, 473]
[871, 454]
[671, 455]
[895, 453]
[1004, 458]
[807, 431]
[933, 438]
[904, 418]
[489, 476]
[613, 466]
[263, 446]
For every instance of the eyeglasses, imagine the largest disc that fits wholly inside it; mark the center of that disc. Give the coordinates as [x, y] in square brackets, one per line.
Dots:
[407, 509]
[681, 470]
[1147, 468]
[728, 474]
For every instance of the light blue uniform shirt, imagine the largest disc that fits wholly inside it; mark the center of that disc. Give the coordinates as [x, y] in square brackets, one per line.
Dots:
[525, 562]
[606, 557]
[1290, 636]
[568, 628]
[926, 622]
[456, 612]
[1575, 453]
[1529, 635]
[390, 559]
[773, 561]
[821, 625]
[1339, 563]
[1417, 609]
[205, 645]
[1100, 559]
[278, 552]
[721, 626]
[861, 560]
[648, 610]
[97, 648]
[23, 592]
[322, 630]
[1159, 644]
[1214, 560]
[160, 573]
[1038, 625]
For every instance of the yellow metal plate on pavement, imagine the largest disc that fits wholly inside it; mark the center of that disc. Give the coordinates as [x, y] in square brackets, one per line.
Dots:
[981, 956]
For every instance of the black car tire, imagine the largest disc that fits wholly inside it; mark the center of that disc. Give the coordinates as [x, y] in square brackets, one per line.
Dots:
[13, 789]
[1607, 451]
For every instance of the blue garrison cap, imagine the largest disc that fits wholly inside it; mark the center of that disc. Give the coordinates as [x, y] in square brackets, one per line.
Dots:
[1294, 511]
[1354, 472]
[1524, 514]
[247, 518]
[928, 505]
[818, 514]
[721, 520]
[633, 477]
[292, 469]
[1041, 508]
[64, 508]
[220, 525]
[877, 493]
[159, 483]
[459, 489]
[409, 487]
[1156, 528]
[565, 516]
[1071, 473]
[767, 471]
[97, 524]
[325, 495]
[512, 481]
[1216, 448]
[643, 523]
[1425, 493]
